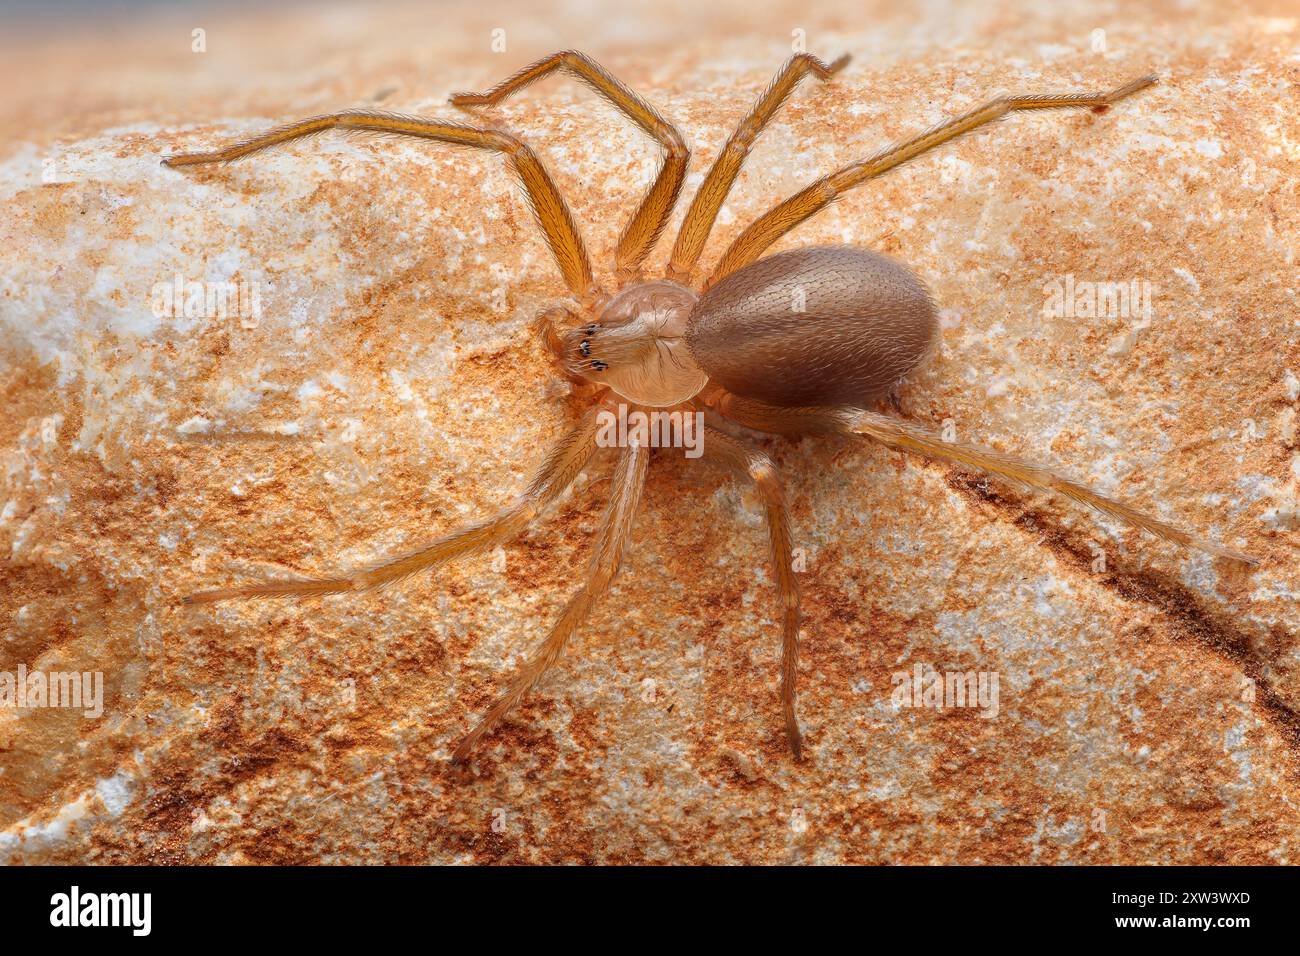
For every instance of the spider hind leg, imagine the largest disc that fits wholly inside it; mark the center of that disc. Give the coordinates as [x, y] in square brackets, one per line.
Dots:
[625, 497]
[915, 439]
[557, 472]
[757, 468]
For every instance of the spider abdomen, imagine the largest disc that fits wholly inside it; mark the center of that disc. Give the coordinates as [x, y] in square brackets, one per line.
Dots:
[827, 325]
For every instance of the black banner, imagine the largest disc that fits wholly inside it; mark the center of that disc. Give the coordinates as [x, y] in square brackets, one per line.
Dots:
[334, 905]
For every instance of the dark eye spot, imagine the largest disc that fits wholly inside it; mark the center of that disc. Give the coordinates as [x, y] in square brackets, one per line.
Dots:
[590, 330]
[599, 366]
[585, 348]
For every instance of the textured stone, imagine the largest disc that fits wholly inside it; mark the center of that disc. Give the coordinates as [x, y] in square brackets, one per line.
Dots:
[392, 390]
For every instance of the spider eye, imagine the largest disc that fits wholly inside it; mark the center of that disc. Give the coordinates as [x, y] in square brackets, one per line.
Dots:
[585, 348]
[590, 330]
[598, 365]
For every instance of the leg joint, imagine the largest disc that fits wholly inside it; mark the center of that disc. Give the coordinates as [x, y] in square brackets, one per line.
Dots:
[672, 140]
[508, 143]
[763, 471]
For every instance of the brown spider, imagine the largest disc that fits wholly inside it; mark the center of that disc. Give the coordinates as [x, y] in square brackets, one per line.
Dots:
[797, 343]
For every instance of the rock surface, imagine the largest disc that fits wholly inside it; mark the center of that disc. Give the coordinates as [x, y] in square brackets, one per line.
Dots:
[390, 389]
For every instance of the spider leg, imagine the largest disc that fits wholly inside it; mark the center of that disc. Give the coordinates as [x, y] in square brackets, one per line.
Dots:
[552, 212]
[647, 224]
[908, 437]
[625, 497]
[757, 467]
[722, 175]
[557, 472]
[779, 220]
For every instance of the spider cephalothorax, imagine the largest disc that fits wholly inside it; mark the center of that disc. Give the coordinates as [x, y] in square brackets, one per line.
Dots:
[638, 345]
[800, 342]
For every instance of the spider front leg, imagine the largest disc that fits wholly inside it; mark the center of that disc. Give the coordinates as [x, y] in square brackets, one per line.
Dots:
[757, 467]
[558, 471]
[647, 224]
[915, 439]
[779, 220]
[625, 498]
[703, 211]
[552, 212]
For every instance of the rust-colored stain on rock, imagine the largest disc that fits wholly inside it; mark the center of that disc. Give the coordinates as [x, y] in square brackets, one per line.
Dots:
[390, 388]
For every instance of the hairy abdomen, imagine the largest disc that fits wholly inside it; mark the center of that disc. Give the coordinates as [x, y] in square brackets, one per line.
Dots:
[829, 325]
